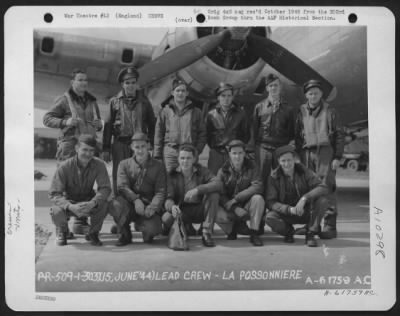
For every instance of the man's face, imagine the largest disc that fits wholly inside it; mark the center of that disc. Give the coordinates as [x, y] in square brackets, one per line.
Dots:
[85, 152]
[236, 154]
[286, 161]
[80, 83]
[225, 99]
[274, 88]
[314, 96]
[180, 93]
[186, 160]
[141, 149]
[130, 87]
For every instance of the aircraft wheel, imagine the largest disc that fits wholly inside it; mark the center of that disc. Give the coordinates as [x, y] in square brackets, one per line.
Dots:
[352, 165]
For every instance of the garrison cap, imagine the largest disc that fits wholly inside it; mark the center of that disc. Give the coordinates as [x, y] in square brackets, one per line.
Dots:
[140, 136]
[127, 73]
[235, 143]
[177, 82]
[270, 78]
[283, 150]
[223, 87]
[312, 84]
[88, 139]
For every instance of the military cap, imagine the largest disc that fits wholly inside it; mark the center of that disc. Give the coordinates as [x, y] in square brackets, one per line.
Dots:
[283, 150]
[127, 73]
[223, 87]
[140, 136]
[235, 143]
[312, 84]
[270, 78]
[177, 83]
[88, 139]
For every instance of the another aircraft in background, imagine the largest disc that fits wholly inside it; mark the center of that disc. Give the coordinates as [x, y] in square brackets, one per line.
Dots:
[205, 56]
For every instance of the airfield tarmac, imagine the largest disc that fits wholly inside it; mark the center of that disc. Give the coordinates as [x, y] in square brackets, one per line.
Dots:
[342, 263]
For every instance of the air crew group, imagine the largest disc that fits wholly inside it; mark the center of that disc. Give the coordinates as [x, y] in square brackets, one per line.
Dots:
[152, 188]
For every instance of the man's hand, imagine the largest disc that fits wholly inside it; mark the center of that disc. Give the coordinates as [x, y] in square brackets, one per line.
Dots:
[106, 156]
[87, 207]
[175, 211]
[71, 122]
[300, 206]
[149, 212]
[139, 207]
[335, 164]
[191, 194]
[292, 210]
[81, 209]
[228, 205]
[98, 124]
[240, 212]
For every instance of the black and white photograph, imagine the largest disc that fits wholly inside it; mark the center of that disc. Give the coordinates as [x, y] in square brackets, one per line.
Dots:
[205, 158]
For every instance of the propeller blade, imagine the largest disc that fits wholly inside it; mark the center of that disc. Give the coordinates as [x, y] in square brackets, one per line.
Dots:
[287, 63]
[179, 58]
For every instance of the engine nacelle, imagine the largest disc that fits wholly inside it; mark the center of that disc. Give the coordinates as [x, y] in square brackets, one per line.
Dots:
[230, 63]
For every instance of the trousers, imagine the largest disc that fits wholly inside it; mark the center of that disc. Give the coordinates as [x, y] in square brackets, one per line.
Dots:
[264, 160]
[120, 151]
[124, 213]
[216, 159]
[252, 210]
[170, 157]
[204, 213]
[97, 215]
[313, 214]
[319, 160]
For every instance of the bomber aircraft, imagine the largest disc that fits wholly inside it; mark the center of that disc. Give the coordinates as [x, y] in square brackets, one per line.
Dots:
[206, 56]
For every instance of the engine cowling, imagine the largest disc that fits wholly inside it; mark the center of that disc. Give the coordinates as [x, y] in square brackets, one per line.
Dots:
[231, 62]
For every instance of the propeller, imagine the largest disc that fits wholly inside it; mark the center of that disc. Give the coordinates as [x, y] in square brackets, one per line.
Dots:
[180, 57]
[271, 52]
[287, 63]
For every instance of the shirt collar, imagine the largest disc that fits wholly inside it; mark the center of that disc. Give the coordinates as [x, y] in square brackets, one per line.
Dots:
[145, 164]
[188, 104]
[315, 111]
[78, 165]
[196, 169]
[121, 95]
[232, 108]
[86, 96]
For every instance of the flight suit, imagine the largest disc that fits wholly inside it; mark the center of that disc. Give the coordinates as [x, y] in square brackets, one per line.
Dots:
[175, 128]
[319, 140]
[85, 109]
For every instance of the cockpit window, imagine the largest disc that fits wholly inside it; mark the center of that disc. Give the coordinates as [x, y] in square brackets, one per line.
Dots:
[47, 45]
[127, 56]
